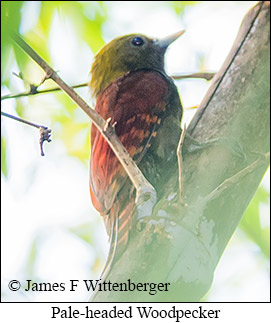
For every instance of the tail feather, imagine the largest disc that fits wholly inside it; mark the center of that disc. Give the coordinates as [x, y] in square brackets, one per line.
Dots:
[123, 220]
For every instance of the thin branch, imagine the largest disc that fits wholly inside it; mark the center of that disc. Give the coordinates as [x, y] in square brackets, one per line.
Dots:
[204, 75]
[45, 133]
[30, 92]
[234, 179]
[145, 193]
[34, 88]
[180, 164]
[22, 120]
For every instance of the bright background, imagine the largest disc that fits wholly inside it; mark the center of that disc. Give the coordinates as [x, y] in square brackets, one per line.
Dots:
[50, 230]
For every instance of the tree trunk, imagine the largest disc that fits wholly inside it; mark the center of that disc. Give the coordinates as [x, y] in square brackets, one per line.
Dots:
[225, 155]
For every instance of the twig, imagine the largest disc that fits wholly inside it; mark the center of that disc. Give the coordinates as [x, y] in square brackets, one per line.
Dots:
[21, 120]
[228, 182]
[34, 88]
[192, 108]
[180, 164]
[45, 133]
[28, 93]
[145, 193]
[204, 75]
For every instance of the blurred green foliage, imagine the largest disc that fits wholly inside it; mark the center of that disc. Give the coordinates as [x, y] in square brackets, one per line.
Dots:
[69, 124]
[179, 6]
[10, 22]
[4, 167]
[251, 222]
[87, 19]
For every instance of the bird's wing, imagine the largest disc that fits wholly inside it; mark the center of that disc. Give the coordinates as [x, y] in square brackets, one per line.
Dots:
[135, 102]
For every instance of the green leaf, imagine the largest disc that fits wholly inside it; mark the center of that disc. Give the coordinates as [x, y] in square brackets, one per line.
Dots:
[10, 23]
[4, 166]
[179, 6]
[88, 18]
[47, 11]
[32, 256]
[83, 231]
[10, 19]
[251, 225]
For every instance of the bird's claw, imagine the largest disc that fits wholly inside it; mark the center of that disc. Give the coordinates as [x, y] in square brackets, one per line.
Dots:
[145, 201]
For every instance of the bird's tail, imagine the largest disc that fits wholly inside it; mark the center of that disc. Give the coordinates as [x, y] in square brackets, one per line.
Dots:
[123, 218]
[122, 221]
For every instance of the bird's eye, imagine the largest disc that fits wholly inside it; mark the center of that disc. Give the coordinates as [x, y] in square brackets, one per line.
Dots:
[137, 41]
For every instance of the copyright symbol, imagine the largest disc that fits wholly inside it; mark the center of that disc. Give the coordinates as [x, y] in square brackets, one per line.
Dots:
[14, 285]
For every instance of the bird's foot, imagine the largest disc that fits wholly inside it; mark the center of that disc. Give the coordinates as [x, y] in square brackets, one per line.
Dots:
[145, 200]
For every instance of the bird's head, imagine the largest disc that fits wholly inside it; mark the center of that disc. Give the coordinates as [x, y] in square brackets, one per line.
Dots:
[125, 54]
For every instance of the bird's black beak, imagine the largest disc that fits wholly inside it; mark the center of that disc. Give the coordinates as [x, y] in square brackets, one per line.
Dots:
[166, 41]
